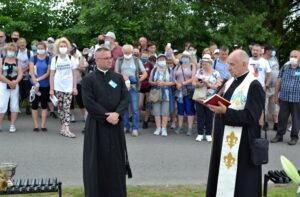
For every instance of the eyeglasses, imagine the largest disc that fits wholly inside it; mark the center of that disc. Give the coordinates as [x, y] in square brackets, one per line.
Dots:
[104, 58]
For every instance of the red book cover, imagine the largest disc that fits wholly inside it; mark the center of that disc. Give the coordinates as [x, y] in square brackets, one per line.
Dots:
[213, 100]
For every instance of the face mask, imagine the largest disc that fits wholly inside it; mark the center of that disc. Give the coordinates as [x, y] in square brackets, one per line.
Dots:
[10, 54]
[33, 47]
[162, 63]
[144, 60]
[273, 53]
[193, 52]
[293, 61]
[185, 60]
[107, 43]
[128, 56]
[63, 50]
[41, 51]
[50, 45]
[15, 39]
[168, 54]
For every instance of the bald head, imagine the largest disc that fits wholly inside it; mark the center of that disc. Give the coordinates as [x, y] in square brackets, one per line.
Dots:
[238, 63]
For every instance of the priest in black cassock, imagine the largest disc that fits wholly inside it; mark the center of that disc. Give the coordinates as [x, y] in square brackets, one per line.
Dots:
[231, 172]
[105, 160]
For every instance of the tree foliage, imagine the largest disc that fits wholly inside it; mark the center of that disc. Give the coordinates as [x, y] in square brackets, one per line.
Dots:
[225, 22]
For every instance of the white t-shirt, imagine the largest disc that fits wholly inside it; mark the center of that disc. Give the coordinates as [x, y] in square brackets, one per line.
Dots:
[63, 78]
[259, 68]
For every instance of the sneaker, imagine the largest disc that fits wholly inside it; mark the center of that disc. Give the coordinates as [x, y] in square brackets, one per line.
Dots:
[145, 125]
[208, 138]
[72, 119]
[277, 139]
[135, 133]
[189, 132]
[173, 125]
[199, 138]
[293, 141]
[157, 131]
[12, 129]
[164, 132]
[178, 130]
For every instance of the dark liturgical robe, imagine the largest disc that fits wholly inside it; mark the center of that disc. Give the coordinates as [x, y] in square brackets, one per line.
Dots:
[248, 177]
[105, 161]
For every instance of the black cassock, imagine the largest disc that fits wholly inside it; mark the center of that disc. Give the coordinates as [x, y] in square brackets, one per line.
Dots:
[248, 178]
[105, 162]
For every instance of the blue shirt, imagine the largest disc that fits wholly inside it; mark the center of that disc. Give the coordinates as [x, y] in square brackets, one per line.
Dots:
[41, 69]
[290, 84]
[222, 68]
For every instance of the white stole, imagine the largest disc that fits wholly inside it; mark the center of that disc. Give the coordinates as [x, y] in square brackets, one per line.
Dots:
[231, 141]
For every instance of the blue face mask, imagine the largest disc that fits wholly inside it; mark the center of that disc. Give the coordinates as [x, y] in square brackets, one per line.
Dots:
[185, 60]
[162, 63]
[144, 60]
[11, 54]
[107, 43]
[33, 47]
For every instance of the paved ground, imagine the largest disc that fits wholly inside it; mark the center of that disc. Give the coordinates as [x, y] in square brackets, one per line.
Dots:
[176, 159]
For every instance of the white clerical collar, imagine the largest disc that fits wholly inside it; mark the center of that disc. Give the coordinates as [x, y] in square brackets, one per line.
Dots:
[104, 71]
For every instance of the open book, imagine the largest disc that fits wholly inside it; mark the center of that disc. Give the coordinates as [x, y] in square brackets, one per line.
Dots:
[213, 100]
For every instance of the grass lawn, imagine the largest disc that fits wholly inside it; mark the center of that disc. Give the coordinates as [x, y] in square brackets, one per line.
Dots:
[169, 191]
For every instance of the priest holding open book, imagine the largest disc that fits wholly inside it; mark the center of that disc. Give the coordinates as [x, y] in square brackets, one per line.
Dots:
[232, 172]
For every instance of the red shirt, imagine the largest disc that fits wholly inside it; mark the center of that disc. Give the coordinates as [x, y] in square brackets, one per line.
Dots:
[116, 53]
[145, 84]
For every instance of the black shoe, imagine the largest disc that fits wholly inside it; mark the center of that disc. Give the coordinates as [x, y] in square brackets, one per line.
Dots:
[53, 115]
[145, 125]
[36, 129]
[266, 126]
[275, 127]
[293, 141]
[277, 139]
[130, 119]
[44, 129]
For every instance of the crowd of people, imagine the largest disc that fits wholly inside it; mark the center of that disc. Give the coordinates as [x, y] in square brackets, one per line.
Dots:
[160, 86]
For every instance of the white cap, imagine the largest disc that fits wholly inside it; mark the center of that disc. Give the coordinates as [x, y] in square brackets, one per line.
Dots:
[216, 51]
[110, 34]
[206, 58]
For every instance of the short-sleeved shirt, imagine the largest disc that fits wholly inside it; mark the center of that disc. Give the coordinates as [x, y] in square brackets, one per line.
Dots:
[222, 68]
[24, 59]
[259, 68]
[212, 79]
[290, 84]
[63, 78]
[183, 73]
[128, 67]
[41, 69]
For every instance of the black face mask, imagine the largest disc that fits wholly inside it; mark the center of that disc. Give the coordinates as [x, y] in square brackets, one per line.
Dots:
[100, 42]
[15, 39]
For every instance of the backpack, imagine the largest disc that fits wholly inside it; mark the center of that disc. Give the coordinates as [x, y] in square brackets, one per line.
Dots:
[56, 57]
[137, 66]
[35, 60]
[215, 62]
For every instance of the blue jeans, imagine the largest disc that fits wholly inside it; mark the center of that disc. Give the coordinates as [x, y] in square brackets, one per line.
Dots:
[134, 107]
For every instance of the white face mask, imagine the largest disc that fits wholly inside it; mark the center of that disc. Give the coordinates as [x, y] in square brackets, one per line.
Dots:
[293, 61]
[273, 53]
[162, 63]
[63, 50]
[10, 54]
[128, 56]
[107, 43]
[41, 51]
